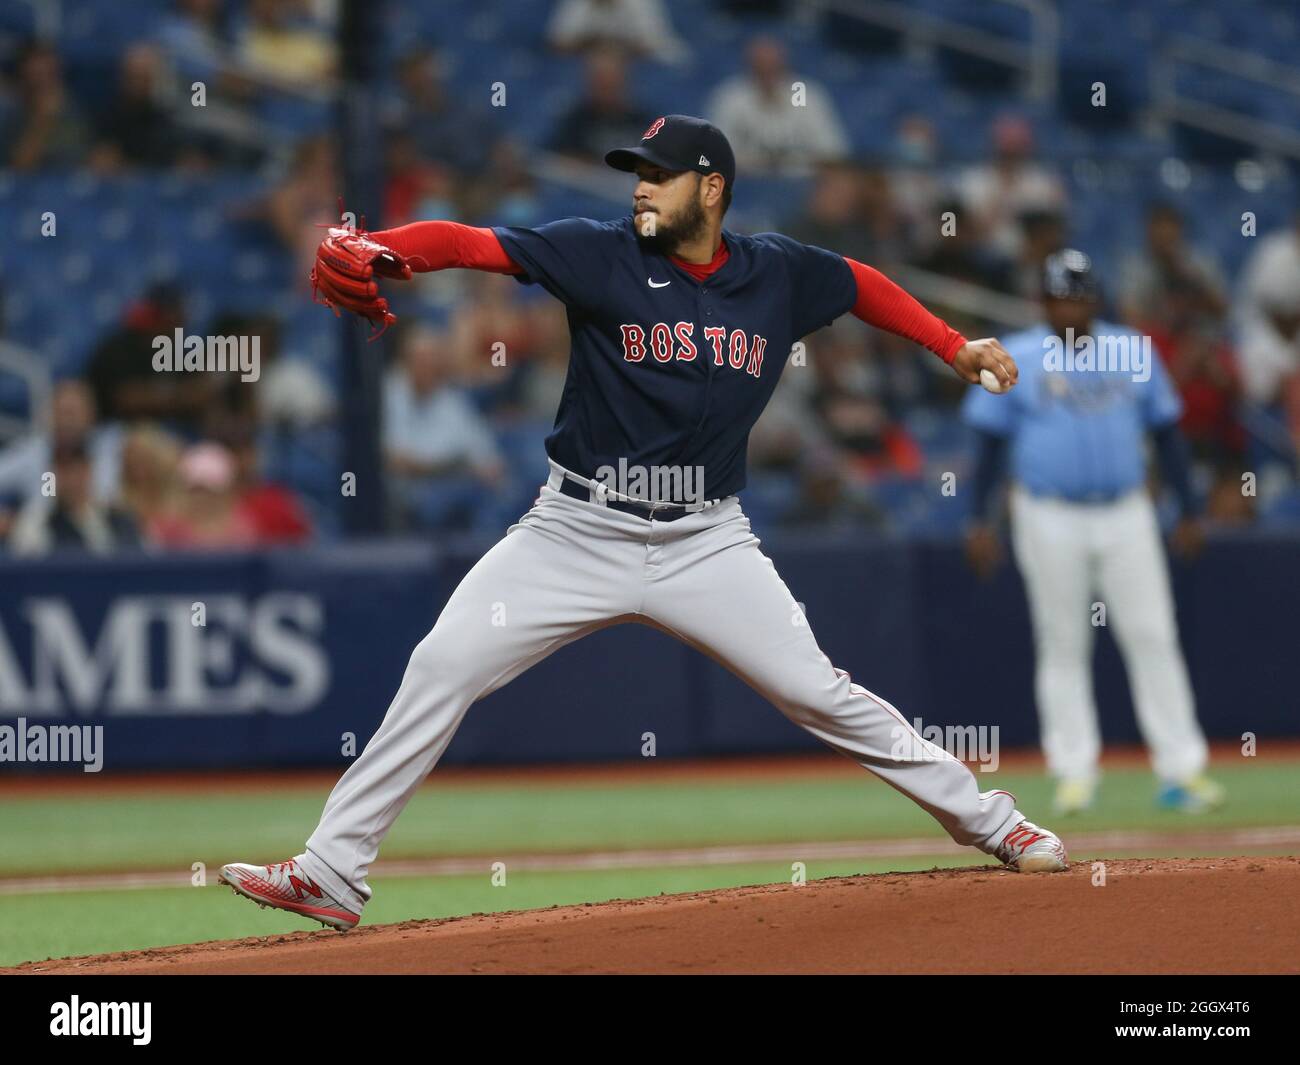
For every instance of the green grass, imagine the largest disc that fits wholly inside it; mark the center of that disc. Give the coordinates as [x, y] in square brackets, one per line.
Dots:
[171, 831]
[67, 835]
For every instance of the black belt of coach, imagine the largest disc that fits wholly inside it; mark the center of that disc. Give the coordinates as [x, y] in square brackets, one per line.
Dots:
[659, 512]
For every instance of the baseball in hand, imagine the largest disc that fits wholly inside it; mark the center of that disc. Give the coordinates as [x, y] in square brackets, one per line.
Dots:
[990, 381]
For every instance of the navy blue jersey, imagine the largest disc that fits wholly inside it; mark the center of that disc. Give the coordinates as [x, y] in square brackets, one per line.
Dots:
[665, 370]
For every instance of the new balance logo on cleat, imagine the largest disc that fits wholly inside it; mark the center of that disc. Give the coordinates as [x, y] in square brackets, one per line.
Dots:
[305, 887]
[285, 887]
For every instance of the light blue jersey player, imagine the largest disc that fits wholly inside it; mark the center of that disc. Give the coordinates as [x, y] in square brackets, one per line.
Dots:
[1085, 531]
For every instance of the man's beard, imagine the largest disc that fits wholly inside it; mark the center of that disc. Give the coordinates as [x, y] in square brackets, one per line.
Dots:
[666, 239]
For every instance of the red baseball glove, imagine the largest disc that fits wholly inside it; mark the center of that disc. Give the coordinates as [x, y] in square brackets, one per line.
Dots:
[347, 263]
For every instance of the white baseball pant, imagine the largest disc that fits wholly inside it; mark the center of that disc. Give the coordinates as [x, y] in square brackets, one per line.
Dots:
[570, 567]
[1068, 554]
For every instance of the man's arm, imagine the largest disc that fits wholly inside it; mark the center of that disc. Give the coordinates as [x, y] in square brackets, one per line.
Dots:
[1175, 467]
[437, 245]
[983, 549]
[990, 464]
[350, 263]
[885, 305]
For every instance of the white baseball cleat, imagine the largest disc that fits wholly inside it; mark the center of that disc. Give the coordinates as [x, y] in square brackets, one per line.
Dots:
[286, 887]
[1030, 849]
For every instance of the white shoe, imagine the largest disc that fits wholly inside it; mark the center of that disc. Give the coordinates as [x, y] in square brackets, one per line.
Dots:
[1030, 849]
[1075, 795]
[286, 887]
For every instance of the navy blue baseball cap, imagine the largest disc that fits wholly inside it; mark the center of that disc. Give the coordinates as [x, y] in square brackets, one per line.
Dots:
[680, 142]
[1068, 275]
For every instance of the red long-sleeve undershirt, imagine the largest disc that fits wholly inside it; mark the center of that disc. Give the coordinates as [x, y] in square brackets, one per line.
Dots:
[440, 245]
[883, 304]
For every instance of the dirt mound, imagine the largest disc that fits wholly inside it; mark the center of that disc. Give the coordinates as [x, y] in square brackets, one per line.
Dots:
[1204, 915]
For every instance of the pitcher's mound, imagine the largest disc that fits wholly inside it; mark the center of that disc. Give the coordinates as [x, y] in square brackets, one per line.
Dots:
[1204, 915]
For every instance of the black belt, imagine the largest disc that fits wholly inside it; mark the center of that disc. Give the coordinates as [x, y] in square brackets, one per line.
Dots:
[657, 511]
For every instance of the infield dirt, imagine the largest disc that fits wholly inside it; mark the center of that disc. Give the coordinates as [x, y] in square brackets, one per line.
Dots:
[1200, 915]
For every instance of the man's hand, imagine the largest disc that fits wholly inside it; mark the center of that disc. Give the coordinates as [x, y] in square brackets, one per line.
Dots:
[986, 354]
[983, 550]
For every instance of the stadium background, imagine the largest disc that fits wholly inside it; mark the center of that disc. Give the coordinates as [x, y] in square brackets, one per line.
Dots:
[134, 211]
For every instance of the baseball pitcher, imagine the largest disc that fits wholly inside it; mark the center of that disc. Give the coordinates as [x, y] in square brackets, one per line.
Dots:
[679, 331]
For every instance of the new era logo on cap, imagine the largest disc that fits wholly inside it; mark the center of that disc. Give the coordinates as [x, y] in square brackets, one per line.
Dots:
[679, 142]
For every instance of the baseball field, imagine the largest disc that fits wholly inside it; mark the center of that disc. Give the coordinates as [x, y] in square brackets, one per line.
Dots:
[657, 867]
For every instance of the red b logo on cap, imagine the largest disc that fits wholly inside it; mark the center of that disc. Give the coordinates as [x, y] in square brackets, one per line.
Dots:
[655, 127]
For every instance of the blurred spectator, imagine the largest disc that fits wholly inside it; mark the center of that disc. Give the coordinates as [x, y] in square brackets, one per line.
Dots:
[959, 254]
[71, 518]
[1175, 294]
[150, 466]
[1202, 367]
[126, 386]
[194, 37]
[136, 129]
[25, 461]
[443, 128]
[827, 500]
[885, 221]
[293, 394]
[999, 192]
[773, 131]
[40, 125]
[273, 511]
[285, 44]
[603, 115]
[206, 512]
[197, 40]
[1269, 317]
[288, 391]
[852, 399]
[789, 429]
[834, 217]
[490, 332]
[1041, 233]
[415, 188]
[307, 196]
[1169, 284]
[546, 373]
[506, 195]
[439, 451]
[914, 176]
[639, 26]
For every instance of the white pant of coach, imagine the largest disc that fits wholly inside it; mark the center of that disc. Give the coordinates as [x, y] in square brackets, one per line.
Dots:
[1076, 555]
[570, 567]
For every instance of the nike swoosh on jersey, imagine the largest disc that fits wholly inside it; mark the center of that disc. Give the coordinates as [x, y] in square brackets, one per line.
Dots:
[661, 284]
